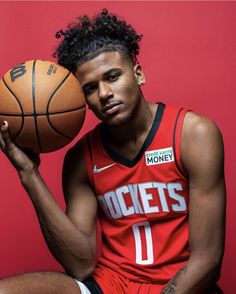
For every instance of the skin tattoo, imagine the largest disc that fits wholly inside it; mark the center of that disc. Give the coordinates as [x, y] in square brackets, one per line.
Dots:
[171, 286]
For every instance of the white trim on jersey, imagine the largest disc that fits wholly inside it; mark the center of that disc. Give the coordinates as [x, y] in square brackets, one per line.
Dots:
[83, 288]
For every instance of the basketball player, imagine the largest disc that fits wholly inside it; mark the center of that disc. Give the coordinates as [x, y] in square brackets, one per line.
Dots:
[151, 174]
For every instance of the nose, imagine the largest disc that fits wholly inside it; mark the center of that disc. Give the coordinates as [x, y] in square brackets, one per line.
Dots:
[104, 91]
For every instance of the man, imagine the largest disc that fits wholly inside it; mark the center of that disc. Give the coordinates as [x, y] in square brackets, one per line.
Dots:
[152, 174]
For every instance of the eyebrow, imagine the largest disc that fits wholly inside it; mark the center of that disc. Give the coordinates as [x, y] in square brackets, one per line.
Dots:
[115, 69]
[104, 75]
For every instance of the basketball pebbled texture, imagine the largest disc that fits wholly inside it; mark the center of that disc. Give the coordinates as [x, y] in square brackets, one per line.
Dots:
[44, 105]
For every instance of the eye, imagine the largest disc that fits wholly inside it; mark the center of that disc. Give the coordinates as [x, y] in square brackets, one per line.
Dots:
[90, 90]
[113, 77]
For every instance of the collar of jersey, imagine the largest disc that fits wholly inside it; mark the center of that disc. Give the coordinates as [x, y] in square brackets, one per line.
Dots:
[132, 162]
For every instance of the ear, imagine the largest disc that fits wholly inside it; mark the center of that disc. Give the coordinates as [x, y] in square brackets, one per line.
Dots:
[139, 74]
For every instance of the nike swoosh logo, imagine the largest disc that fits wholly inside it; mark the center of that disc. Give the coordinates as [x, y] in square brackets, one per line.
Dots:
[98, 170]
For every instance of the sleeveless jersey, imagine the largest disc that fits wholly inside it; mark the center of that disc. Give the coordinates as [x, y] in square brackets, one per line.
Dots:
[144, 202]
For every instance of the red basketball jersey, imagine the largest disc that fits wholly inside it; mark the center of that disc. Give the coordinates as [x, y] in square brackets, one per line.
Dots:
[144, 202]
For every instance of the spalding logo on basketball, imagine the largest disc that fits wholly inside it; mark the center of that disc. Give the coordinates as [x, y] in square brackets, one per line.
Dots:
[44, 105]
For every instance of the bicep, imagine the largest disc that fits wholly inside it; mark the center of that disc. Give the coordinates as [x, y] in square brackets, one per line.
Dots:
[203, 157]
[81, 203]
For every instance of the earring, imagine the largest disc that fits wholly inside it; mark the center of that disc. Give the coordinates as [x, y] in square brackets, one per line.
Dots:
[140, 82]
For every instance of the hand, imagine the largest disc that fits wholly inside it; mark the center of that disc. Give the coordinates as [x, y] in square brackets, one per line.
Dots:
[22, 160]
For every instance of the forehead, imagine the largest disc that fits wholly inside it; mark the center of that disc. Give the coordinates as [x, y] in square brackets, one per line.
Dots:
[100, 65]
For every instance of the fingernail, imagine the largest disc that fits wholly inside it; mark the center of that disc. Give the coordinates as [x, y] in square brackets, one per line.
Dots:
[4, 123]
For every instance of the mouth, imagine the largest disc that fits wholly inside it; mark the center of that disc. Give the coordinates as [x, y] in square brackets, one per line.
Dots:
[111, 107]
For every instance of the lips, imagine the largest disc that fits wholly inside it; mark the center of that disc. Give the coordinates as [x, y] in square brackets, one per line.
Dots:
[111, 107]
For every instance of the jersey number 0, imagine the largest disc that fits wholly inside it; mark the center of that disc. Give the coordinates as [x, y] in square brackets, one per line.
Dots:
[138, 229]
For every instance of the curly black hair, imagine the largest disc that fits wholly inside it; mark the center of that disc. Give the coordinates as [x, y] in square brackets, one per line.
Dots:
[87, 38]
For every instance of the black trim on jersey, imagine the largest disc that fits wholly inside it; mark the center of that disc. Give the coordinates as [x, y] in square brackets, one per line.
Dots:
[131, 162]
[92, 286]
[174, 146]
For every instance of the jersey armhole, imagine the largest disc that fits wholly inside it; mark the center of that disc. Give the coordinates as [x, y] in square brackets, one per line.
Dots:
[177, 141]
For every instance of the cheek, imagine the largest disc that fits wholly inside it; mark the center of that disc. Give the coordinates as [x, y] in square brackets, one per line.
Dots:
[131, 94]
[92, 100]
[128, 88]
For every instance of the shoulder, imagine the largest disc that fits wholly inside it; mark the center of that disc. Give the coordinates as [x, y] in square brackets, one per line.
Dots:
[74, 160]
[79, 155]
[201, 141]
[198, 127]
[77, 151]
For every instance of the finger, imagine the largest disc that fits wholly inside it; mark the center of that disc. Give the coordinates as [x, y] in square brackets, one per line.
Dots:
[2, 144]
[4, 126]
[6, 136]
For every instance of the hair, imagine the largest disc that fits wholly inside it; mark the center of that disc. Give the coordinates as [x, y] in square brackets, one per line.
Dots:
[87, 38]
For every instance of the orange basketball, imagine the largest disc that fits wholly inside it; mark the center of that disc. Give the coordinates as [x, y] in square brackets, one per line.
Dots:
[43, 104]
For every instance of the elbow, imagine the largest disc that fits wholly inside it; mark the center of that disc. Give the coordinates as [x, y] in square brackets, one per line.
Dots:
[82, 271]
[215, 267]
[209, 263]
[215, 262]
[86, 273]
[214, 273]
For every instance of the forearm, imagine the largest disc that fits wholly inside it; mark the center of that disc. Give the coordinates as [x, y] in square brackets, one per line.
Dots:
[197, 277]
[70, 246]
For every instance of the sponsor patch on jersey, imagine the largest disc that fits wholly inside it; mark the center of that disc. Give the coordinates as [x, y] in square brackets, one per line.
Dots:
[159, 156]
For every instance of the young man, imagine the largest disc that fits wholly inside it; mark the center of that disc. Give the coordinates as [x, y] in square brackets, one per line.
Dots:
[152, 174]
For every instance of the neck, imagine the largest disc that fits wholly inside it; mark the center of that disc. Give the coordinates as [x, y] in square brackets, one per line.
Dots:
[137, 128]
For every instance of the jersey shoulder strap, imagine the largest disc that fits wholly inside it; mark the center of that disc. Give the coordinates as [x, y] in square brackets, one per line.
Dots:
[178, 127]
[171, 131]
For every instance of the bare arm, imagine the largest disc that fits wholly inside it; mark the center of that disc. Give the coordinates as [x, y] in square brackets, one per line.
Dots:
[203, 157]
[72, 237]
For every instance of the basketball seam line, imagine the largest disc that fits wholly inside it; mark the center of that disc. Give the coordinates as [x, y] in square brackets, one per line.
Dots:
[21, 108]
[34, 106]
[46, 113]
[47, 109]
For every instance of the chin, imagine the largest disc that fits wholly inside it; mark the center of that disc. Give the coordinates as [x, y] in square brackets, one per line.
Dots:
[117, 121]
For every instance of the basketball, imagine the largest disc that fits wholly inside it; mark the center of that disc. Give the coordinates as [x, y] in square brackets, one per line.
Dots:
[43, 104]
